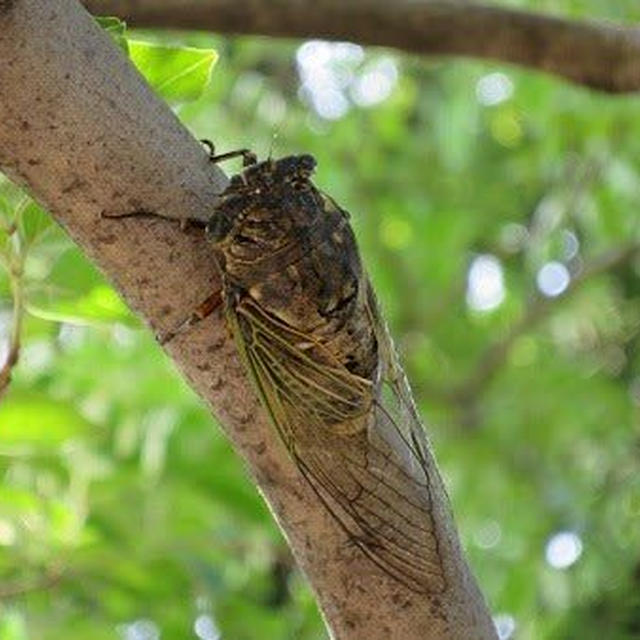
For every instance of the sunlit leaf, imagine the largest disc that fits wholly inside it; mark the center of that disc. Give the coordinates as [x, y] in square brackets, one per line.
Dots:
[31, 420]
[116, 28]
[33, 222]
[178, 74]
[98, 306]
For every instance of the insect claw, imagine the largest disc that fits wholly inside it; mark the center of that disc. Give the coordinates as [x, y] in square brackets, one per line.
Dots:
[164, 338]
[203, 310]
[210, 147]
[249, 158]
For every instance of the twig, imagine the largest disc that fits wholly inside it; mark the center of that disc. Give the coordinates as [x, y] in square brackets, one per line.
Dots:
[16, 589]
[599, 55]
[16, 272]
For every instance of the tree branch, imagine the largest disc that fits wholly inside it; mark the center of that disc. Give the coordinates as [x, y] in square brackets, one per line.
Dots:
[599, 55]
[49, 579]
[83, 132]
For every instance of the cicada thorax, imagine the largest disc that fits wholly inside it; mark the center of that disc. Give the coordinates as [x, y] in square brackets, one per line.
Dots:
[290, 265]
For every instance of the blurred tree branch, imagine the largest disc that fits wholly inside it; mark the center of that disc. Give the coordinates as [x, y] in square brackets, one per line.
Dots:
[15, 269]
[50, 578]
[599, 55]
[466, 392]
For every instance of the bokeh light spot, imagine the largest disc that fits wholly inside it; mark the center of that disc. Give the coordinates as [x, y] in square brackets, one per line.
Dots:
[553, 279]
[488, 535]
[485, 283]
[7, 533]
[493, 89]
[375, 84]
[506, 129]
[395, 233]
[206, 628]
[570, 244]
[333, 77]
[563, 549]
[505, 625]
[142, 629]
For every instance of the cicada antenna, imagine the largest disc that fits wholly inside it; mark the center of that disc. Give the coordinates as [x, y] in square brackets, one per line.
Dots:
[274, 139]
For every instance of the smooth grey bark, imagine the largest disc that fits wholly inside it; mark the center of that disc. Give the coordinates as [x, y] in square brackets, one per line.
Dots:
[82, 131]
[600, 55]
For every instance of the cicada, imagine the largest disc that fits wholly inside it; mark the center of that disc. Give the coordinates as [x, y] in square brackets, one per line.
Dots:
[309, 331]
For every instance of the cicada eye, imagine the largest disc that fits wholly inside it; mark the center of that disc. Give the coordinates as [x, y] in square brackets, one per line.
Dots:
[307, 163]
[218, 227]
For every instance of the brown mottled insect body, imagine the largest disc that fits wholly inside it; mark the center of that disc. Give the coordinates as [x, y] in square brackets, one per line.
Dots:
[284, 246]
[308, 328]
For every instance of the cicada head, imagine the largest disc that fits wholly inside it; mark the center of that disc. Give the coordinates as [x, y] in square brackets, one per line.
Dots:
[291, 170]
[261, 213]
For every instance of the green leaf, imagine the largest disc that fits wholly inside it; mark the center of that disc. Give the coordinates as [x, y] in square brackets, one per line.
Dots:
[33, 221]
[76, 292]
[112, 25]
[178, 74]
[99, 306]
[116, 28]
[5, 215]
[30, 420]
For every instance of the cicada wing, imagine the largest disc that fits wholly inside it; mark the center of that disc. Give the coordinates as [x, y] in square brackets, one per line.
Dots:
[345, 438]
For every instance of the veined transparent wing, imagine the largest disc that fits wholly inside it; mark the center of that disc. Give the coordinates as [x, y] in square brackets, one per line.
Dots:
[358, 442]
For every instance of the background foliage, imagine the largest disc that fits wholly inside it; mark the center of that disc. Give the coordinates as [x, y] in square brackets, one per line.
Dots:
[497, 212]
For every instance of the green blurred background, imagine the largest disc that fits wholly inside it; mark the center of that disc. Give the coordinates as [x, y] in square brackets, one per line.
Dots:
[497, 211]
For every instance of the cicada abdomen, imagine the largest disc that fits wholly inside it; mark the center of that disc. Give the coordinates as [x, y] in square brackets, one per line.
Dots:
[308, 328]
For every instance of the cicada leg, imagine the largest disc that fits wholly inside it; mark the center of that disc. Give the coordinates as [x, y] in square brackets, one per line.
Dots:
[202, 311]
[248, 157]
[142, 213]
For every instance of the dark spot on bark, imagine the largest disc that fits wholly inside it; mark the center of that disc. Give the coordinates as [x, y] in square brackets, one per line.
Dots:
[107, 238]
[216, 382]
[260, 448]
[6, 6]
[216, 344]
[76, 183]
[166, 310]
[203, 367]
[24, 125]
[245, 416]
[33, 162]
